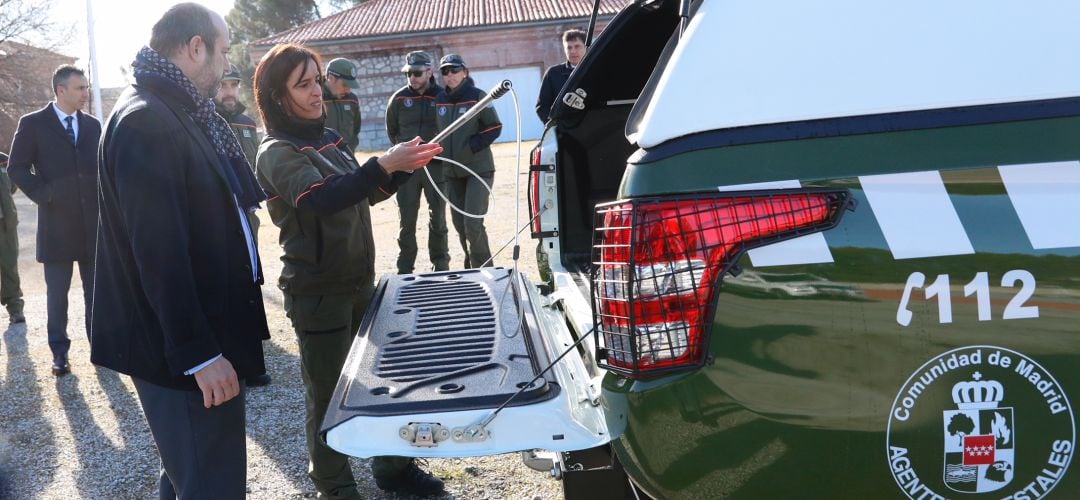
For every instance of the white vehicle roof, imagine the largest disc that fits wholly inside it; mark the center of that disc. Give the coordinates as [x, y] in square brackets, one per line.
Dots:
[774, 61]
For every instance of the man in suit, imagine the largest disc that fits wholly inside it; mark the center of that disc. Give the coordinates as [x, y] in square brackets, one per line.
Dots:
[54, 161]
[10, 291]
[177, 305]
[555, 76]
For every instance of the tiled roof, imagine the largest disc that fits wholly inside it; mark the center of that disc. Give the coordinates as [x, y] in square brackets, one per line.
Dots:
[389, 17]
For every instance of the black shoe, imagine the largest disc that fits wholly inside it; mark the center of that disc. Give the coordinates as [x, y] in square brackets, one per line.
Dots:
[412, 481]
[60, 367]
[258, 380]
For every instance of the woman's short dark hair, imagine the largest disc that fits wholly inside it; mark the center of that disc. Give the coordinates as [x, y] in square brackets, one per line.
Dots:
[179, 25]
[272, 80]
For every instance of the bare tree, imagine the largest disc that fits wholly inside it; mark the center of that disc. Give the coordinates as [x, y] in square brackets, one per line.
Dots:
[30, 22]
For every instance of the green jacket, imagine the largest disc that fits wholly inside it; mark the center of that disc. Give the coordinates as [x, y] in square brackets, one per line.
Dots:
[7, 204]
[319, 197]
[470, 143]
[343, 115]
[409, 114]
[244, 128]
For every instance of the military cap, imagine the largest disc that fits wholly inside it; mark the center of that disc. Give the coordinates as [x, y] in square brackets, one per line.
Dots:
[233, 74]
[451, 60]
[417, 60]
[344, 69]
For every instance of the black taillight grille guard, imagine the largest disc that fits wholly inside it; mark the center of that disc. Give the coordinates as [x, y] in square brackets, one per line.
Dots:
[619, 342]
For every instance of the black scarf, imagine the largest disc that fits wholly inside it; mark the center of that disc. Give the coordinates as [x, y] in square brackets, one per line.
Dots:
[149, 65]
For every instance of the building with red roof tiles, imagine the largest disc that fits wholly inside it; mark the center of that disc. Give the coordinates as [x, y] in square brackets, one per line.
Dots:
[499, 39]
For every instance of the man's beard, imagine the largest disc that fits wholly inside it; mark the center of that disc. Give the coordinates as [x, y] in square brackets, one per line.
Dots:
[213, 84]
[229, 105]
[212, 89]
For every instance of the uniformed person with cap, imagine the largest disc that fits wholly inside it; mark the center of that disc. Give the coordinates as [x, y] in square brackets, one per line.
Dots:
[232, 110]
[10, 291]
[470, 146]
[228, 106]
[341, 104]
[411, 113]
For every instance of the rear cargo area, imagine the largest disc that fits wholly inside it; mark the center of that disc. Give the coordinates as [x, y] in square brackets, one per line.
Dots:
[443, 342]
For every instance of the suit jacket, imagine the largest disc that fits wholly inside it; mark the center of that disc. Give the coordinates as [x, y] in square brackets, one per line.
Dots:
[62, 179]
[174, 283]
[550, 89]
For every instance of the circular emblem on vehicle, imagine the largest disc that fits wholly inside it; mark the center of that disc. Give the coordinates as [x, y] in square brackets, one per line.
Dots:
[980, 419]
[442, 110]
[408, 103]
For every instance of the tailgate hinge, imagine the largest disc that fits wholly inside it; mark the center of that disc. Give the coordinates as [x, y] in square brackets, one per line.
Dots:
[424, 435]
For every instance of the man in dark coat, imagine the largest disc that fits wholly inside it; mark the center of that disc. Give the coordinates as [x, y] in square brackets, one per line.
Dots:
[54, 161]
[555, 76]
[177, 304]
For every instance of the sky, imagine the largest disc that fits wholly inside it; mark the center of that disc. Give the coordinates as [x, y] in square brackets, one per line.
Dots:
[122, 27]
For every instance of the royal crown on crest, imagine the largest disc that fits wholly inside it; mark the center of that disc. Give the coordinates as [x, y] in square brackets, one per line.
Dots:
[977, 395]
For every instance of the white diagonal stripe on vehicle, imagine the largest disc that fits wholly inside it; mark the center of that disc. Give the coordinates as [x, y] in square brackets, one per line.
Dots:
[809, 249]
[916, 215]
[1046, 197]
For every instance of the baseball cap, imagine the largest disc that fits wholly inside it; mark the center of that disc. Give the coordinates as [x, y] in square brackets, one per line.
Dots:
[416, 60]
[233, 74]
[344, 69]
[452, 60]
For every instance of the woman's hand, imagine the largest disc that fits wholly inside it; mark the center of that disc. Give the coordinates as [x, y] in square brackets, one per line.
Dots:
[408, 156]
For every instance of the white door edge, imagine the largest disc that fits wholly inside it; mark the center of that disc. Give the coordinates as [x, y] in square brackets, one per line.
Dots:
[572, 420]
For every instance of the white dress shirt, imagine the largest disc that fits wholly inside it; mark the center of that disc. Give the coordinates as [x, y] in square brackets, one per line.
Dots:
[62, 116]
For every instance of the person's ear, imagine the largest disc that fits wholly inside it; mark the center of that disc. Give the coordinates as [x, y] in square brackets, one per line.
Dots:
[195, 46]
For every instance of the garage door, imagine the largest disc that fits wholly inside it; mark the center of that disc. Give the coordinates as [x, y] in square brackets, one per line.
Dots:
[527, 85]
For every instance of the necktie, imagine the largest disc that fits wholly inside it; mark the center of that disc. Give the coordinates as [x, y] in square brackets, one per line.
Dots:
[70, 131]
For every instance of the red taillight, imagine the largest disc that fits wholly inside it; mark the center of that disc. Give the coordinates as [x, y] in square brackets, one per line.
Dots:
[658, 263]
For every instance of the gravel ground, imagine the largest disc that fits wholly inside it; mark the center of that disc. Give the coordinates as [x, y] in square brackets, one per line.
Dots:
[83, 435]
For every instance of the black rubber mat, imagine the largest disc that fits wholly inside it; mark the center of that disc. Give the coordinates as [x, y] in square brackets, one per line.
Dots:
[442, 342]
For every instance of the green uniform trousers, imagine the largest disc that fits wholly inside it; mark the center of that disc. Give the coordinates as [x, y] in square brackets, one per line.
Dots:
[10, 289]
[408, 199]
[470, 195]
[325, 326]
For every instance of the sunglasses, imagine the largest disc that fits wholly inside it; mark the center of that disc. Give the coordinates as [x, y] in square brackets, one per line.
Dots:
[454, 69]
[415, 73]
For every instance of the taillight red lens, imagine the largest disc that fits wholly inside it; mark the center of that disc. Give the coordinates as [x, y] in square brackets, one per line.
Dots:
[658, 264]
[534, 201]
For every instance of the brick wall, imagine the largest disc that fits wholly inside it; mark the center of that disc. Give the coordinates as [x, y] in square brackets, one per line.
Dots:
[379, 61]
[25, 84]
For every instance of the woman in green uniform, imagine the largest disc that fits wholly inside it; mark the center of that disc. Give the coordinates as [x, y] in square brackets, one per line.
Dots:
[319, 197]
[469, 145]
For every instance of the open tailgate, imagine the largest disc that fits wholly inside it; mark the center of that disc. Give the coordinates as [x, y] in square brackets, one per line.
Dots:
[438, 352]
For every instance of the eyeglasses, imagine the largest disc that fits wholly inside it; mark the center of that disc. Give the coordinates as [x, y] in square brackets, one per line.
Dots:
[452, 69]
[415, 73]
